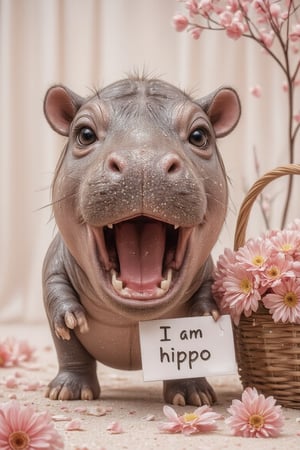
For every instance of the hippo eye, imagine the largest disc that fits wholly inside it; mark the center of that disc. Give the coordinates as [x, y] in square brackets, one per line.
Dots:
[86, 136]
[199, 137]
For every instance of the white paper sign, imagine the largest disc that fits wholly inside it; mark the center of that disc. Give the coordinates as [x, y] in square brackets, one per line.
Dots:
[188, 347]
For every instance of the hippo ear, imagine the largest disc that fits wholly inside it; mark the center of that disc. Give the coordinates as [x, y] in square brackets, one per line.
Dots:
[223, 109]
[60, 107]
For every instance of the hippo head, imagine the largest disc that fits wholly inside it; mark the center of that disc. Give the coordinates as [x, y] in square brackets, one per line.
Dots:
[140, 192]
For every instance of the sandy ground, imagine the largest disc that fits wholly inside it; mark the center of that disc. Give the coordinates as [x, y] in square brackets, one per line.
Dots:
[128, 400]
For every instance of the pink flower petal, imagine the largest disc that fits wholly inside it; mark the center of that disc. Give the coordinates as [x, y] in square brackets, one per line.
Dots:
[98, 411]
[115, 428]
[61, 418]
[11, 383]
[74, 425]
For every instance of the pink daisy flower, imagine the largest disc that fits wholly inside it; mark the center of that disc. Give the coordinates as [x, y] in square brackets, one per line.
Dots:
[284, 302]
[225, 264]
[287, 242]
[255, 415]
[254, 254]
[241, 293]
[21, 428]
[202, 420]
[277, 268]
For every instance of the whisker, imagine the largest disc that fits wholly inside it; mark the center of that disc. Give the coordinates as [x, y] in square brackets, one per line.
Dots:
[51, 204]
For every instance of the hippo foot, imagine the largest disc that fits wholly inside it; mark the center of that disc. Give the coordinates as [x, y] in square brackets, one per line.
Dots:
[73, 386]
[195, 391]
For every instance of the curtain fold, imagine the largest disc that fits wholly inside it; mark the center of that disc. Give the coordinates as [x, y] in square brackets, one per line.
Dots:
[86, 44]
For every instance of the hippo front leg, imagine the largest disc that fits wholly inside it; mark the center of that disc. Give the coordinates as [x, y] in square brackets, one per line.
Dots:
[77, 378]
[202, 303]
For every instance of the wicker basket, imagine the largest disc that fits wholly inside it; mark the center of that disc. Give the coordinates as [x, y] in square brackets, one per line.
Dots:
[268, 353]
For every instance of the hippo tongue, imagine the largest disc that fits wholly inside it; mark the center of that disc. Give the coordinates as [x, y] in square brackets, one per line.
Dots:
[141, 247]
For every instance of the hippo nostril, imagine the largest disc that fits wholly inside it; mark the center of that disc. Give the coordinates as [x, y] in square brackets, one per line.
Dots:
[171, 164]
[173, 167]
[115, 164]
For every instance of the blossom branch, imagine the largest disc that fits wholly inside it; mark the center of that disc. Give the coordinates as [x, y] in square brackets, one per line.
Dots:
[265, 22]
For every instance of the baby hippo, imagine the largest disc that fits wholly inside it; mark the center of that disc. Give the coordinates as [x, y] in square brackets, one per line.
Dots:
[139, 199]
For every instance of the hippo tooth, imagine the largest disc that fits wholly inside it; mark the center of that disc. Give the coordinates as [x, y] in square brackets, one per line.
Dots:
[117, 284]
[110, 226]
[165, 284]
[176, 227]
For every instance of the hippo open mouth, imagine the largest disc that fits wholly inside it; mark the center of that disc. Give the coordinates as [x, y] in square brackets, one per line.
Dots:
[141, 254]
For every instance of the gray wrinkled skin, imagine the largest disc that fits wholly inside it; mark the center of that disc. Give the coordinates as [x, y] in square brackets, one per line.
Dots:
[139, 198]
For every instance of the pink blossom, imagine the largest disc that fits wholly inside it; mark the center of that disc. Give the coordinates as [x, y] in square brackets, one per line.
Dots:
[23, 428]
[225, 18]
[267, 38]
[284, 302]
[180, 22]
[297, 117]
[237, 27]
[233, 5]
[255, 415]
[256, 91]
[275, 10]
[285, 86]
[196, 32]
[261, 11]
[295, 34]
[192, 7]
[206, 7]
[202, 420]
